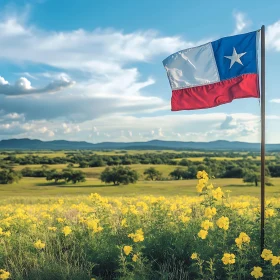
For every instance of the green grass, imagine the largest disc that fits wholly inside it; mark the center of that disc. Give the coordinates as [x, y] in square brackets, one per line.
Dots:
[41, 187]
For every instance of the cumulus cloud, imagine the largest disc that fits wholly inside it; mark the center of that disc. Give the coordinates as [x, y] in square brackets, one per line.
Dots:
[23, 86]
[100, 51]
[229, 123]
[273, 36]
[241, 22]
[110, 92]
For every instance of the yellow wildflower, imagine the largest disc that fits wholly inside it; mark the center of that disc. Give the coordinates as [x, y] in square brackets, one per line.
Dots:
[269, 213]
[52, 228]
[184, 219]
[194, 256]
[210, 212]
[4, 233]
[275, 260]
[257, 272]
[202, 175]
[138, 236]
[66, 230]
[127, 249]
[39, 245]
[206, 224]
[223, 223]
[267, 254]
[135, 258]
[200, 185]
[202, 234]
[217, 193]
[60, 220]
[4, 274]
[243, 238]
[124, 223]
[228, 258]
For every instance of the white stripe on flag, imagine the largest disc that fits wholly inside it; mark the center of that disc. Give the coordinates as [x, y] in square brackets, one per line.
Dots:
[192, 67]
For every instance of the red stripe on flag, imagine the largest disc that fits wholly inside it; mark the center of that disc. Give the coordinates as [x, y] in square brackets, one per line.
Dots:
[208, 96]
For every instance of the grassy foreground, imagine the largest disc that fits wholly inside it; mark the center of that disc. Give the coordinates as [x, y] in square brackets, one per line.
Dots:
[214, 236]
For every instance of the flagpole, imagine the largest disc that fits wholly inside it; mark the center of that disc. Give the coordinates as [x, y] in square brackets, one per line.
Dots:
[262, 135]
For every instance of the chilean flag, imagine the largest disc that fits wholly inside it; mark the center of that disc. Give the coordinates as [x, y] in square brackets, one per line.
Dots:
[214, 73]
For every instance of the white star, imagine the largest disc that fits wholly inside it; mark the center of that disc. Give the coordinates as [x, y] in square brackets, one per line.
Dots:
[235, 57]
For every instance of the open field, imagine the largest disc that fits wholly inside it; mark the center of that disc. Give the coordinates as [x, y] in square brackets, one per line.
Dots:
[41, 187]
[140, 237]
[150, 230]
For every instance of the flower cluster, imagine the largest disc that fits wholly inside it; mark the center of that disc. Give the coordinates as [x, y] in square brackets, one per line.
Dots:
[39, 244]
[228, 258]
[267, 255]
[138, 236]
[223, 223]
[4, 274]
[257, 272]
[243, 238]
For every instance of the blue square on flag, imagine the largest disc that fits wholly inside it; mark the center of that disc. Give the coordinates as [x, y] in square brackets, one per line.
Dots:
[236, 55]
[214, 73]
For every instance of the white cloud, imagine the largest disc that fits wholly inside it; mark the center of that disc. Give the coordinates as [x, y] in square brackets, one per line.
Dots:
[23, 86]
[275, 100]
[99, 51]
[241, 22]
[229, 123]
[273, 36]
[110, 90]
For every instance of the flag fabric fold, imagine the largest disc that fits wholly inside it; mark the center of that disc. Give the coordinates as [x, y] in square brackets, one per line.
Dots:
[214, 73]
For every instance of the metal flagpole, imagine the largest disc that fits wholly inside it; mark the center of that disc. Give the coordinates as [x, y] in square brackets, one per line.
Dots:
[262, 134]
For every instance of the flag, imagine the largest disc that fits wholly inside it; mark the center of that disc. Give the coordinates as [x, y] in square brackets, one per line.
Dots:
[214, 73]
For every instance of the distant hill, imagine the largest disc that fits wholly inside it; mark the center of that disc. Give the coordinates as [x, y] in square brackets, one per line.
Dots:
[30, 144]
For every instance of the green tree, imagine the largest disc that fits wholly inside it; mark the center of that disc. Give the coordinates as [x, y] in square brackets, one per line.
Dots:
[97, 162]
[177, 173]
[119, 175]
[67, 175]
[251, 177]
[83, 164]
[9, 176]
[152, 174]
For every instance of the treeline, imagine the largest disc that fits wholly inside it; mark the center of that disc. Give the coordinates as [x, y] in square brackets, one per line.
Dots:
[95, 160]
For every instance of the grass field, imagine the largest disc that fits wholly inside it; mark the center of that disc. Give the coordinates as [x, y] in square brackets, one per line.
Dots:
[139, 237]
[151, 230]
[32, 187]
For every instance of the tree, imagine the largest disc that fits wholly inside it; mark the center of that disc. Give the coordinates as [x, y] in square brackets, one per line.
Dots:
[97, 162]
[152, 174]
[9, 176]
[54, 175]
[119, 175]
[83, 164]
[184, 162]
[75, 176]
[177, 174]
[251, 177]
[67, 175]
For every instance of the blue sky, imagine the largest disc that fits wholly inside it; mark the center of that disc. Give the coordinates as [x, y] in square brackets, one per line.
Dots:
[92, 70]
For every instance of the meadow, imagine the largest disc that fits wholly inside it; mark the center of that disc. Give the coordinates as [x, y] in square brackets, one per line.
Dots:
[160, 230]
